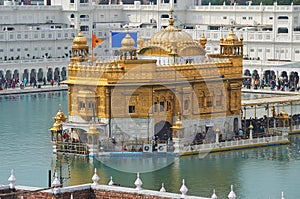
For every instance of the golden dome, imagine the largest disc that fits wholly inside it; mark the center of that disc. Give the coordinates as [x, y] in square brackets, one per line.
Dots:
[127, 43]
[60, 116]
[203, 40]
[172, 40]
[80, 40]
[56, 126]
[283, 114]
[231, 37]
[93, 130]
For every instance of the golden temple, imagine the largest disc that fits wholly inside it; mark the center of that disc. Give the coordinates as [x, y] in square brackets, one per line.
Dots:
[141, 93]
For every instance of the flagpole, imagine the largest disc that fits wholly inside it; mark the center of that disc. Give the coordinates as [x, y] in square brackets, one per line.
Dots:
[92, 49]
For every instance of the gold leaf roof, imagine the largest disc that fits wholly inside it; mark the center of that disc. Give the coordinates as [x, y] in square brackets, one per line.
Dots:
[127, 43]
[172, 41]
[80, 40]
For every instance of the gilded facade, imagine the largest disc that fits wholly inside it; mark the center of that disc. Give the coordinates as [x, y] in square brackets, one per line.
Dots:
[141, 93]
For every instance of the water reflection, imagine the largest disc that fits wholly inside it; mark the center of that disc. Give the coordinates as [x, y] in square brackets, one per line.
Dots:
[255, 173]
[133, 162]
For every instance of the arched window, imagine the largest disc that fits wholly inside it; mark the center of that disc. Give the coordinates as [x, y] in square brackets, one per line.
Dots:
[186, 104]
[72, 16]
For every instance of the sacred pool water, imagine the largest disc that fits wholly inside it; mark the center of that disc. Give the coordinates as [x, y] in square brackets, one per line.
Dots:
[25, 146]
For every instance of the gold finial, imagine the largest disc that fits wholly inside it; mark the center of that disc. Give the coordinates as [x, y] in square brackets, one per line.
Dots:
[203, 40]
[251, 126]
[171, 20]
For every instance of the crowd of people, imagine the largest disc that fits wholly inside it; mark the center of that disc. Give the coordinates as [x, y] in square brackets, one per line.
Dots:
[284, 82]
[17, 83]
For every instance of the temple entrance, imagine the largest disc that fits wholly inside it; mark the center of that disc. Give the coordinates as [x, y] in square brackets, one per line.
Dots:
[163, 131]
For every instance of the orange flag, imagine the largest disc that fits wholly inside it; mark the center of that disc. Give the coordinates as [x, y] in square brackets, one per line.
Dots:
[95, 41]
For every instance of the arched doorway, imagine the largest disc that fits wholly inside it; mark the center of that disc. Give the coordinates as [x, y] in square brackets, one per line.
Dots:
[25, 74]
[49, 74]
[163, 130]
[32, 76]
[64, 73]
[269, 75]
[16, 75]
[56, 74]
[1, 75]
[40, 75]
[8, 75]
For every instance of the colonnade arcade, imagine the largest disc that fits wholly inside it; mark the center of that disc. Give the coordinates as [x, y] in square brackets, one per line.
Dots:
[289, 76]
[39, 75]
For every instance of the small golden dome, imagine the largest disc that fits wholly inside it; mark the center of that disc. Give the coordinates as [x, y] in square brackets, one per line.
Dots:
[203, 40]
[60, 116]
[56, 126]
[232, 37]
[283, 114]
[93, 130]
[178, 122]
[251, 126]
[80, 40]
[127, 43]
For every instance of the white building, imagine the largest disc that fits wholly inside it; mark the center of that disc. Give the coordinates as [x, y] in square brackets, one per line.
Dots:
[43, 34]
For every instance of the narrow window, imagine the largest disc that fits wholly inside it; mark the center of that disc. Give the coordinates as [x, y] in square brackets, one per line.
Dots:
[131, 109]
[162, 106]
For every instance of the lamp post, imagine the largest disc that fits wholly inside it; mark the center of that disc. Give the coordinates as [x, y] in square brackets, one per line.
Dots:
[251, 132]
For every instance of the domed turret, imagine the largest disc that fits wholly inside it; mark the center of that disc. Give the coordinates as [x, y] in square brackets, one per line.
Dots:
[203, 41]
[231, 37]
[231, 45]
[127, 43]
[80, 49]
[79, 40]
[127, 50]
[60, 116]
